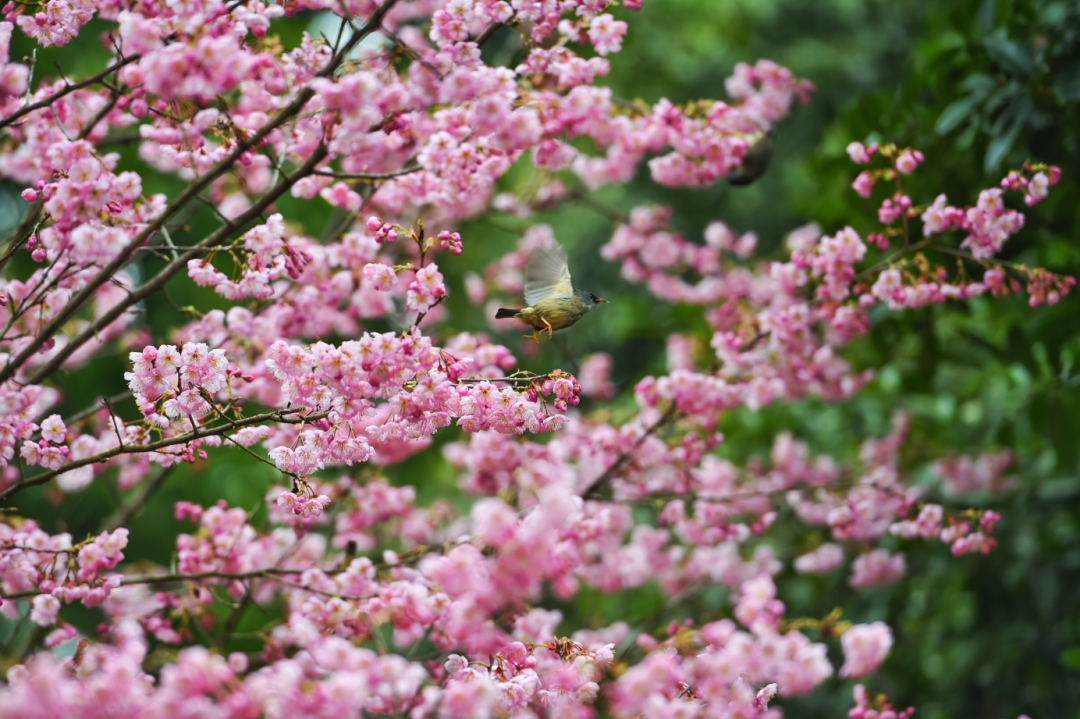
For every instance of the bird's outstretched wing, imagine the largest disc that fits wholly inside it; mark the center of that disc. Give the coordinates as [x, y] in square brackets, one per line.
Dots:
[546, 274]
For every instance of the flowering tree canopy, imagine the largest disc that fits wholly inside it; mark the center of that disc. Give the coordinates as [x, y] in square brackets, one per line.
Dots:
[339, 173]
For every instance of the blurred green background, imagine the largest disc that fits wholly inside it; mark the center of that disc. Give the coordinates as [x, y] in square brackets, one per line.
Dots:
[978, 86]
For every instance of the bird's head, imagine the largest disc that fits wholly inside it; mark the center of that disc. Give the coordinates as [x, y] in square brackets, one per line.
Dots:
[590, 300]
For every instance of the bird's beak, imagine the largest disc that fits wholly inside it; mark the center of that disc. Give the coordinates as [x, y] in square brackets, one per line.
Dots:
[598, 300]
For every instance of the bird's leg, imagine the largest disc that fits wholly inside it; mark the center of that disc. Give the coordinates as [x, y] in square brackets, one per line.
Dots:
[547, 326]
[533, 336]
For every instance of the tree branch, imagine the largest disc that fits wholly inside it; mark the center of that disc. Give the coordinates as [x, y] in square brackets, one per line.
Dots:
[67, 90]
[598, 484]
[281, 415]
[127, 512]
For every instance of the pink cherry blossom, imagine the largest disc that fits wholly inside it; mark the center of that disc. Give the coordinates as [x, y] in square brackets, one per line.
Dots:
[295, 364]
[865, 648]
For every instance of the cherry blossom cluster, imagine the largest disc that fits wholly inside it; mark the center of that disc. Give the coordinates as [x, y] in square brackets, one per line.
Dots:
[982, 473]
[304, 503]
[267, 258]
[400, 118]
[713, 512]
[54, 572]
[420, 385]
[959, 534]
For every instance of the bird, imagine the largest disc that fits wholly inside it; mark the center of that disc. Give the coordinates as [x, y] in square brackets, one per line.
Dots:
[553, 303]
[756, 161]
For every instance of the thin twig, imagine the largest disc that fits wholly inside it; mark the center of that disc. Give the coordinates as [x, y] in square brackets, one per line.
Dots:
[369, 175]
[127, 512]
[112, 421]
[24, 230]
[98, 116]
[414, 556]
[234, 616]
[96, 407]
[923, 244]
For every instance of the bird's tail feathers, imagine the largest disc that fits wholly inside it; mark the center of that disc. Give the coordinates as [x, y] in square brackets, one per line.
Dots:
[503, 313]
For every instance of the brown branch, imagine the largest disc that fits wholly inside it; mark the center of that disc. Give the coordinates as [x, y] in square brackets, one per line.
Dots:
[176, 577]
[24, 230]
[234, 616]
[598, 484]
[411, 557]
[488, 33]
[532, 378]
[923, 244]
[600, 208]
[127, 512]
[988, 261]
[96, 407]
[98, 116]
[119, 139]
[281, 415]
[67, 90]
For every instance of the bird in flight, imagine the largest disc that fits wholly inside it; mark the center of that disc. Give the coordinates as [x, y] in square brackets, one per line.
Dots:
[553, 303]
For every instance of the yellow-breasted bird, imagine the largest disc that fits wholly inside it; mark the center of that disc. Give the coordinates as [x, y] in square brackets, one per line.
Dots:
[553, 302]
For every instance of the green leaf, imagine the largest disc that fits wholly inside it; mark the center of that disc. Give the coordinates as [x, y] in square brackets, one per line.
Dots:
[985, 15]
[1004, 93]
[1058, 488]
[1006, 129]
[1070, 658]
[1067, 83]
[1010, 56]
[978, 83]
[1053, 13]
[956, 113]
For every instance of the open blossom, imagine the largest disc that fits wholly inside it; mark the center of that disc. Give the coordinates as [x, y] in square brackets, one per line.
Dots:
[53, 429]
[985, 472]
[595, 376]
[860, 154]
[1037, 189]
[863, 184]
[303, 506]
[865, 648]
[820, 561]
[339, 195]
[907, 161]
[606, 34]
[426, 290]
[382, 277]
[877, 568]
[46, 609]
